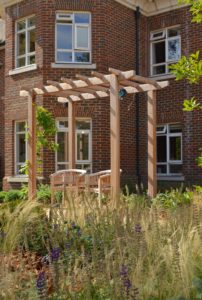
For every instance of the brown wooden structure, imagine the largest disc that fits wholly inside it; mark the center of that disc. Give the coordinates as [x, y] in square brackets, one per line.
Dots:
[87, 88]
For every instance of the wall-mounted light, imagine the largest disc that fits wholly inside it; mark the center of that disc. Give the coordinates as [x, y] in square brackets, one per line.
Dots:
[122, 93]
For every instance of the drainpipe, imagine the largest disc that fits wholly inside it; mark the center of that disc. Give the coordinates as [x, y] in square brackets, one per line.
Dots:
[137, 96]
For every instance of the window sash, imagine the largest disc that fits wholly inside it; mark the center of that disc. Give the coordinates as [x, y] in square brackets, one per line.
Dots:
[168, 161]
[27, 53]
[81, 163]
[75, 46]
[152, 51]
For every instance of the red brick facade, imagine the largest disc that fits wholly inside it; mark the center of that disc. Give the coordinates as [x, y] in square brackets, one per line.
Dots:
[2, 78]
[113, 45]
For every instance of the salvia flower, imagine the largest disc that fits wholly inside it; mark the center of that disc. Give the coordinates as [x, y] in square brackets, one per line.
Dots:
[55, 254]
[41, 281]
[138, 228]
[124, 271]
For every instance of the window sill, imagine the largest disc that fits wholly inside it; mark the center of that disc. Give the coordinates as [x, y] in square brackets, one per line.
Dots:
[20, 179]
[170, 178]
[163, 77]
[73, 66]
[23, 69]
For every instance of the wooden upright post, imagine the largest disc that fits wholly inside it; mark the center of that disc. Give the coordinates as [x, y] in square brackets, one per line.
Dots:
[152, 179]
[115, 137]
[32, 146]
[72, 133]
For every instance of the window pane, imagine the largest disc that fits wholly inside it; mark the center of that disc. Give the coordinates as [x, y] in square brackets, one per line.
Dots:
[62, 153]
[176, 169]
[161, 169]
[173, 32]
[31, 41]
[84, 167]
[21, 43]
[161, 149]
[175, 128]
[31, 21]
[64, 36]
[21, 25]
[82, 18]
[159, 70]
[175, 148]
[31, 59]
[21, 62]
[64, 56]
[63, 124]
[20, 126]
[174, 49]
[82, 37]
[62, 167]
[83, 125]
[82, 56]
[82, 146]
[21, 148]
[159, 52]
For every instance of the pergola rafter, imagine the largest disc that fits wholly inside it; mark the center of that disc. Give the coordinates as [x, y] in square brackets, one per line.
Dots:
[90, 88]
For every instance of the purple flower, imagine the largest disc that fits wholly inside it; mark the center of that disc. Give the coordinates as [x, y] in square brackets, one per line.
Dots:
[124, 271]
[74, 225]
[138, 228]
[41, 281]
[55, 254]
[68, 245]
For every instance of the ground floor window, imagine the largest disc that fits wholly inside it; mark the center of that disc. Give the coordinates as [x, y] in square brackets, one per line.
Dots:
[83, 144]
[169, 149]
[20, 146]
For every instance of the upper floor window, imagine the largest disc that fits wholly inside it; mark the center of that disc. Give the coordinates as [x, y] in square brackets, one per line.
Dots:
[73, 38]
[165, 49]
[25, 42]
[169, 149]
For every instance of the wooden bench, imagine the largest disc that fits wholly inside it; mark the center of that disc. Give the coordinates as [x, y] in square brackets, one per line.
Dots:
[63, 180]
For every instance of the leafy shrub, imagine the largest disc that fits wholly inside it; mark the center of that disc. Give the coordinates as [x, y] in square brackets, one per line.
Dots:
[2, 196]
[13, 195]
[44, 193]
[172, 199]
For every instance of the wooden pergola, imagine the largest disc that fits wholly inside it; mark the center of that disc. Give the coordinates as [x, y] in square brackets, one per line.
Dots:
[89, 88]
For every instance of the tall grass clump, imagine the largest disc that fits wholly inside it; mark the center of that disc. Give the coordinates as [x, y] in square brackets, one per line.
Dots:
[83, 250]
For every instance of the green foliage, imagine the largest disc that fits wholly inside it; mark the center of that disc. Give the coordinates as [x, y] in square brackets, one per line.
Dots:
[192, 104]
[44, 193]
[172, 199]
[46, 129]
[196, 9]
[2, 196]
[188, 68]
[13, 195]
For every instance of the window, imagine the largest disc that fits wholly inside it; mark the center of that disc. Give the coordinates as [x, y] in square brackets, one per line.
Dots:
[169, 150]
[20, 146]
[165, 49]
[83, 144]
[73, 38]
[25, 42]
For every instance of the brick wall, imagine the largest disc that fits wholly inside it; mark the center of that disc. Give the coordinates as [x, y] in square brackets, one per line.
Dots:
[111, 47]
[2, 65]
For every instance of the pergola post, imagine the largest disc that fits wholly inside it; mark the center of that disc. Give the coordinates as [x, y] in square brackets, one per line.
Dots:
[115, 137]
[32, 146]
[152, 153]
[71, 138]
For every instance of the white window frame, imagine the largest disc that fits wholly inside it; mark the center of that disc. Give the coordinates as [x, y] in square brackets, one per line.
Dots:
[168, 161]
[78, 162]
[75, 48]
[154, 40]
[26, 30]
[17, 163]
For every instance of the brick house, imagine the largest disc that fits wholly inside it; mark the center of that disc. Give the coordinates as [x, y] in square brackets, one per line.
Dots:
[58, 38]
